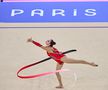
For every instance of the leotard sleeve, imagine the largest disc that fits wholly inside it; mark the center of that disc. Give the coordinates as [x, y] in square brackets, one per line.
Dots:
[36, 43]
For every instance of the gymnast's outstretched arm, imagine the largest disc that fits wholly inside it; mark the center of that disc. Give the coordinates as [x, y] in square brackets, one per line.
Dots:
[37, 44]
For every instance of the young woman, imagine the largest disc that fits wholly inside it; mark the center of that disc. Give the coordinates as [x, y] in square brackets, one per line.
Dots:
[59, 57]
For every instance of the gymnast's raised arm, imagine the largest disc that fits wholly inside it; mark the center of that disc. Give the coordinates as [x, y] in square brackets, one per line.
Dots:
[37, 44]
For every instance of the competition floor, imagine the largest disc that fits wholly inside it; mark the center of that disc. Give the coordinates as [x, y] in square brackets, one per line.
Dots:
[15, 52]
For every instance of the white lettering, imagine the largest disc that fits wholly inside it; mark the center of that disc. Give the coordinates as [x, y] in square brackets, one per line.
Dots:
[16, 12]
[58, 12]
[75, 12]
[38, 12]
[90, 12]
[54, 12]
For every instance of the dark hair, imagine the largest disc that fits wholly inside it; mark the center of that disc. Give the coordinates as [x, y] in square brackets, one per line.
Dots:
[52, 43]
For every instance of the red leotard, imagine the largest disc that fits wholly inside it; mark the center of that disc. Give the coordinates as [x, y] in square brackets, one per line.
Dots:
[56, 55]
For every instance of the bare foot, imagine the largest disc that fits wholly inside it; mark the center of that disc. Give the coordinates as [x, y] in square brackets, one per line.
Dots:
[93, 64]
[59, 87]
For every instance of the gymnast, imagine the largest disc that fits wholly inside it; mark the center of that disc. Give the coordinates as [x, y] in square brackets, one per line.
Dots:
[59, 57]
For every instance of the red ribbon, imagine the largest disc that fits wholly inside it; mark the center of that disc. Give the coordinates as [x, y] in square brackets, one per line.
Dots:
[42, 74]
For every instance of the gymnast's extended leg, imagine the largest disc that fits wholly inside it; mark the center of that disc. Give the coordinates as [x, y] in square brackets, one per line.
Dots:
[74, 61]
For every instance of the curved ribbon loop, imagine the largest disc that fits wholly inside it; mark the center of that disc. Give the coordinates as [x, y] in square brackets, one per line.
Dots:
[42, 74]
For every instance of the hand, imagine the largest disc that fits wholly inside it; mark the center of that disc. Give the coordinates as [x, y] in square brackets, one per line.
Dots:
[29, 40]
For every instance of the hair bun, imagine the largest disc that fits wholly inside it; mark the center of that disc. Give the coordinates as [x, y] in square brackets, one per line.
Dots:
[52, 43]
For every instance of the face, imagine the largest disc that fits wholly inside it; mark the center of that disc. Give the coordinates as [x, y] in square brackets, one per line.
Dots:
[48, 42]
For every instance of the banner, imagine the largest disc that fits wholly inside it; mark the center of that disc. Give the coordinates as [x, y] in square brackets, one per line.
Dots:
[54, 12]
